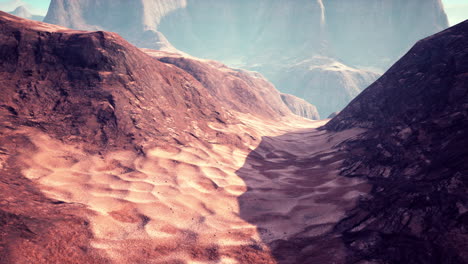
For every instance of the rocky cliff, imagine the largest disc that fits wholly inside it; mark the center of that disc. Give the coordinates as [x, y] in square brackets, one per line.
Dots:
[414, 153]
[268, 36]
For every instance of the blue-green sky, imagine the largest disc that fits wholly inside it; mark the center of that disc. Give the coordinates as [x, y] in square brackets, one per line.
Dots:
[457, 10]
[36, 7]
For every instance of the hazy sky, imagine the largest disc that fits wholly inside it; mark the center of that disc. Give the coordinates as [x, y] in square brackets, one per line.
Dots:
[457, 10]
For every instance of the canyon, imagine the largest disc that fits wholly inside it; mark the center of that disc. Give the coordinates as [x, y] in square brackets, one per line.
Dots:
[112, 153]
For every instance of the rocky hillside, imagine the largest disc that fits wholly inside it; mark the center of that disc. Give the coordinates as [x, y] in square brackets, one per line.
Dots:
[268, 36]
[99, 87]
[415, 155]
[103, 89]
[236, 89]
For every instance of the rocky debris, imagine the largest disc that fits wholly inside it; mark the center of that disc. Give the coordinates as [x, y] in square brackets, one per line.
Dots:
[22, 11]
[300, 107]
[415, 154]
[268, 36]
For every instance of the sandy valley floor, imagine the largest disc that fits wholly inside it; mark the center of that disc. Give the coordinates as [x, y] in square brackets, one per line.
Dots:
[203, 203]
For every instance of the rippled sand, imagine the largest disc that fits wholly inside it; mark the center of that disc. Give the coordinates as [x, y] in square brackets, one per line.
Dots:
[181, 204]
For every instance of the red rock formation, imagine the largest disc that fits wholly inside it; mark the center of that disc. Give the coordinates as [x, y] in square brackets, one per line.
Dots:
[415, 154]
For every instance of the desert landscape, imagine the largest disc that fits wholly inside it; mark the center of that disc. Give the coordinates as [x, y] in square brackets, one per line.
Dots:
[125, 149]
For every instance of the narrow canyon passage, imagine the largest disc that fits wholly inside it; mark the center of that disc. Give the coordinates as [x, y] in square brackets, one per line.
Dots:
[295, 196]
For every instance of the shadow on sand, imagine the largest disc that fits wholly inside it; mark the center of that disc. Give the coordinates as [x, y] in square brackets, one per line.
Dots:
[295, 197]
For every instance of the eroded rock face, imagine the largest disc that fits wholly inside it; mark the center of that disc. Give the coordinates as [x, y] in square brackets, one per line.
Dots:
[268, 36]
[300, 107]
[415, 154]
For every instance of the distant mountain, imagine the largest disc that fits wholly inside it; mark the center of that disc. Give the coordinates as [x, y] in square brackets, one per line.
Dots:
[22, 11]
[286, 41]
[328, 83]
[415, 154]
[136, 21]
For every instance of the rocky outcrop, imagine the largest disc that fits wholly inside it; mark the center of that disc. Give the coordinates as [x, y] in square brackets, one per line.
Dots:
[300, 107]
[414, 153]
[21, 11]
[269, 37]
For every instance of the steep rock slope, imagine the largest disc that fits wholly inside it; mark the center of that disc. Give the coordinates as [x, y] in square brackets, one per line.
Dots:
[415, 155]
[268, 35]
[300, 107]
[22, 11]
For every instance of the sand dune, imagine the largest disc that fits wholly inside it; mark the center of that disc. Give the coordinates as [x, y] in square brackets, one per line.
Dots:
[194, 203]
